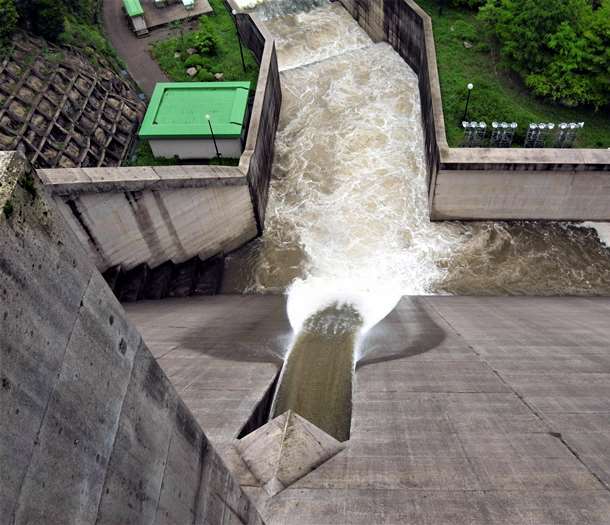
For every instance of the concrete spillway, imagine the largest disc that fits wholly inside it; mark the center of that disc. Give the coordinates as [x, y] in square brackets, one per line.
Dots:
[317, 378]
[348, 196]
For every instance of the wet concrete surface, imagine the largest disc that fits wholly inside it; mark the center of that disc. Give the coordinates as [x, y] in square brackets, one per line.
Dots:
[465, 410]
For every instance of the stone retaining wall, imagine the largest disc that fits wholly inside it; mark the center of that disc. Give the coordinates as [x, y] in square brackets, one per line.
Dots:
[481, 183]
[92, 429]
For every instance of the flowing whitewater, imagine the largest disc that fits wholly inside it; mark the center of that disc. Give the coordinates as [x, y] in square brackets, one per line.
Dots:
[348, 207]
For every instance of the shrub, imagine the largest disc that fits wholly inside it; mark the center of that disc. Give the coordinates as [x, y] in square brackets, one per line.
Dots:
[203, 75]
[205, 43]
[470, 4]
[194, 61]
[46, 18]
[559, 47]
[8, 21]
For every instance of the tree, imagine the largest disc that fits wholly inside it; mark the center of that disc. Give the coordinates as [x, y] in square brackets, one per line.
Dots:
[48, 19]
[8, 21]
[559, 47]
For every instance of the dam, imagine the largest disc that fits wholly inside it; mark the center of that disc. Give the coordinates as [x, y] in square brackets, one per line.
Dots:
[348, 374]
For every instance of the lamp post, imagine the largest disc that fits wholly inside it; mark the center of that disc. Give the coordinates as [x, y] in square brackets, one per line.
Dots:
[469, 86]
[241, 51]
[213, 137]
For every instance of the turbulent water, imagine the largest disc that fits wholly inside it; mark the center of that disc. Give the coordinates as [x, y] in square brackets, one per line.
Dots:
[347, 207]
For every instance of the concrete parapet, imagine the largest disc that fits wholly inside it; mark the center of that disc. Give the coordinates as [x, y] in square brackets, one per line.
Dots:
[462, 181]
[92, 430]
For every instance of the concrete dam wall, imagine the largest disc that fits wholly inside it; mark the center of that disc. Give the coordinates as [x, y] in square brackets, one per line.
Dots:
[92, 429]
[485, 183]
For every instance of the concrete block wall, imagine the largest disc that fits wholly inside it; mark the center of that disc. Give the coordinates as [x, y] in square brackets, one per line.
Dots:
[92, 430]
[483, 183]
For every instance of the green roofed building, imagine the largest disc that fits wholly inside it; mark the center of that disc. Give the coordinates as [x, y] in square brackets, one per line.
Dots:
[192, 120]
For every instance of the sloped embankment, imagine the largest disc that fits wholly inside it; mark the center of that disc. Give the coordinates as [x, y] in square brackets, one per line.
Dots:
[63, 110]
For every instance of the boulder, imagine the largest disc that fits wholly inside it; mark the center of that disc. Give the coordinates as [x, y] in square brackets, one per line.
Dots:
[219, 76]
[191, 71]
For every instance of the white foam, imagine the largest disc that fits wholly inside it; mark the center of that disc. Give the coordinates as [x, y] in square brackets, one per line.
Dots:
[602, 229]
[308, 296]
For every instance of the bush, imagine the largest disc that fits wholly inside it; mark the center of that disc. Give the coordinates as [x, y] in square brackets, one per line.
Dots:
[194, 61]
[42, 17]
[470, 4]
[559, 47]
[205, 43]
[8, 21]
[203, 75]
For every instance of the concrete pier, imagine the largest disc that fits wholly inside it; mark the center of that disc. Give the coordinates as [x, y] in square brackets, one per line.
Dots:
[465, 410]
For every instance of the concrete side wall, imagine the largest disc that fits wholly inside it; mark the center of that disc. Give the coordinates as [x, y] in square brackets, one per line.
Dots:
[409, 31]
[134, 227]
[257, 158]
[522, 195]
[92, 430]
[455, 175]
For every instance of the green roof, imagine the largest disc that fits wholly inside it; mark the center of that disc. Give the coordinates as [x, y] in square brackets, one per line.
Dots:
[133, 7]
[179, 109]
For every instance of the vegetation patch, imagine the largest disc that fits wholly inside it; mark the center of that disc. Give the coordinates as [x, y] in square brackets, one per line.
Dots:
[469, 51]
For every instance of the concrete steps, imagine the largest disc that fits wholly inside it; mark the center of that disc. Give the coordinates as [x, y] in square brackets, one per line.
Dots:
[193, 277]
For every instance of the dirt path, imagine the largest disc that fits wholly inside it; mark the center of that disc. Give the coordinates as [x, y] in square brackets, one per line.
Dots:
[135, 52]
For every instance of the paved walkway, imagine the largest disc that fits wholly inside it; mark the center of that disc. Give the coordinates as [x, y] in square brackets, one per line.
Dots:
[134, 51]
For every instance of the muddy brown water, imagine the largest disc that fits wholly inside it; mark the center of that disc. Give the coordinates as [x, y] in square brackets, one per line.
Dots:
[316, 381]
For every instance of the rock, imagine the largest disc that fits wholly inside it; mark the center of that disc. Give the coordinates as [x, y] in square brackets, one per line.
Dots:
[467, 44]
[219, 76]
[191, 71]
[191, 51]
[177, 55]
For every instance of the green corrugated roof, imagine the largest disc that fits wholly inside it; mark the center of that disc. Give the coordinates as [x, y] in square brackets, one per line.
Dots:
[133, 7]
[179, 109]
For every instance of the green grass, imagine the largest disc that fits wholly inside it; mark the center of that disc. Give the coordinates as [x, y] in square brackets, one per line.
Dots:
[144, 157]
[226, 60]
[90, 39]
[497, 94]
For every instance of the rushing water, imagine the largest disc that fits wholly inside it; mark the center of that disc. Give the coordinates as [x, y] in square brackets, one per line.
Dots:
[347, 206]
[316, 380]
[347, 229]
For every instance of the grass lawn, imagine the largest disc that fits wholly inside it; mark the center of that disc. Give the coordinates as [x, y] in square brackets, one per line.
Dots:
[497, 94]
[226, 60]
